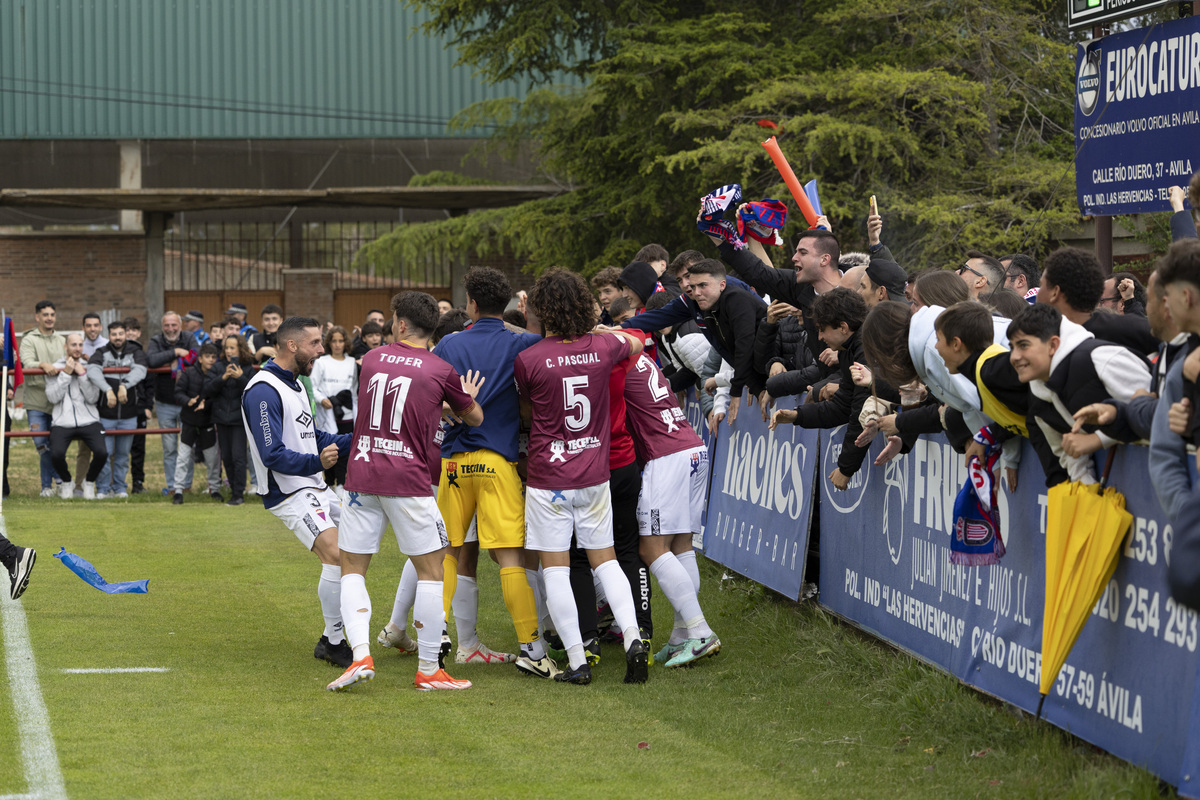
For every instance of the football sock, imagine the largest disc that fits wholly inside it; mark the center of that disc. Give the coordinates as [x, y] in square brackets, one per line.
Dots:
[356, 611]
[620, 599]
[406, 595]
[466, 612]
[601, 597]
[518, 597]
[688, 560]
[449, 582]
[329, 592]
[428, 619]
[677, 586]
[534, 577]
[563, 612]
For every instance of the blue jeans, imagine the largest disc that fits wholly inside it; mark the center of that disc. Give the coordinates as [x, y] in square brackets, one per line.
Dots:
[112, 477]
[40, 421]
[168, 417]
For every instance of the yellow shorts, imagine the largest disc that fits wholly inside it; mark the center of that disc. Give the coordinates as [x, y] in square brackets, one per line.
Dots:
[482, 484]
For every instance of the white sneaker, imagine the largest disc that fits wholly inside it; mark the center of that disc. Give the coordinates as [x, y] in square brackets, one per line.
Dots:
[47, 493]
[66, 490]
[101, 496]
[122, 495]
[401, 642]
[89, 490]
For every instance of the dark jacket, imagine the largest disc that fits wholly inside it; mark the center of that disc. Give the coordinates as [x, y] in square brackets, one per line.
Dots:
[641, 278]
[189, 385]
[263, 339]
[161, 353]
[843, 408]
[731, 325]
[684, 308]
[1130, 331]
[131, 356]
[226, 395]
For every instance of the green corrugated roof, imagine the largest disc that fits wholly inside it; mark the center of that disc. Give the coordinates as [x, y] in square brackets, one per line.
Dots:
[227, 69]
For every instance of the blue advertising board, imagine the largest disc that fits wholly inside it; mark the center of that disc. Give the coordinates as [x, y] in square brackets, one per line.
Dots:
[761, 499]
[1137, 117]
[1128, 684]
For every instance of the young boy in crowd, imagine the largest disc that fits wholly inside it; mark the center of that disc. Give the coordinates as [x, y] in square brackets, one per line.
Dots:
[1067, 368]
[197, 431]
[838, 315]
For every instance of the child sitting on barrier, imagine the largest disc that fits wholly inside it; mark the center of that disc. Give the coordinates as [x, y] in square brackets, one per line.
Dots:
[838, 315]
[1067, 368]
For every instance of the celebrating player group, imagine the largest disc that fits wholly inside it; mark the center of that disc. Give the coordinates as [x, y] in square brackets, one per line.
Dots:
[615, 483]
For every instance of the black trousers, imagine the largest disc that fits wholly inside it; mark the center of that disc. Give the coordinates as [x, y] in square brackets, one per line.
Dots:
[137, 454]
[232, 441]
[91, 435]
[624, 486]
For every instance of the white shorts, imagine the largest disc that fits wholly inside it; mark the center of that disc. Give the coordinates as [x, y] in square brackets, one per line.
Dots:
[308, 512]
[551, 515]
[415, 520]
[664, 507]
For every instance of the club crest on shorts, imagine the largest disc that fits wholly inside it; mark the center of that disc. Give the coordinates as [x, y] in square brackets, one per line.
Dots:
[452, 474]
[695, 463]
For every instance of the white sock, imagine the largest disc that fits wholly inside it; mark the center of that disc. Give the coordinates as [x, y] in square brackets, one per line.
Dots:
[356, 611]
[429, 616]
[329, 591]
[465, 607]
[539, 596]
[677, 586]
[688, 560]
[620, 599]
[564, 612]
[406, 594]
[601, 596]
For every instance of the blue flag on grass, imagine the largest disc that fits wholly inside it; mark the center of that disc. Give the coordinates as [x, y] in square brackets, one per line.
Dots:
[84, 569]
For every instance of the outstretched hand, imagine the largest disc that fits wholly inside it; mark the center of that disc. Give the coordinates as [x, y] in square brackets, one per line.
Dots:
[472, 382]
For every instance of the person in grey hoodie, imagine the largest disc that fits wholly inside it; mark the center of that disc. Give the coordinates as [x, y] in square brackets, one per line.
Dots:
[75, 416]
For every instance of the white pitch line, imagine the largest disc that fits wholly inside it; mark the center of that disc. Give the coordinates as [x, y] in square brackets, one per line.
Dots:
[42, 773]
[113, 671]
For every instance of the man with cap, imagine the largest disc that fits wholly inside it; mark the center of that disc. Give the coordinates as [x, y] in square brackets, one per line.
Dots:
[193, 323]
[238, 312]
[638, 281]
[882, 280]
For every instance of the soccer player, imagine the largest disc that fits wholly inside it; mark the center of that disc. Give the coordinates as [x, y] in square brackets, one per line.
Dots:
[479, 475]
[563, 383]
[401, 391]
[667, 515]
[289, 457]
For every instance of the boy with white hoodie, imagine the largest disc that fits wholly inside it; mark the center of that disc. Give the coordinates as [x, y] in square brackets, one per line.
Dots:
[1068, 368]
[75, 416]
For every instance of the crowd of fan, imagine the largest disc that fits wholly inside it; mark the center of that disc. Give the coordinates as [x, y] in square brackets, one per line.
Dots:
[75, 400]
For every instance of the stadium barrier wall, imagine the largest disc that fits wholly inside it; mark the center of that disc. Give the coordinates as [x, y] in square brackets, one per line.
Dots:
[1129, 683]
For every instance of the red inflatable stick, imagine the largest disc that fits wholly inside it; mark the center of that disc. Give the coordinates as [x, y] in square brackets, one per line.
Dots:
[789, 177]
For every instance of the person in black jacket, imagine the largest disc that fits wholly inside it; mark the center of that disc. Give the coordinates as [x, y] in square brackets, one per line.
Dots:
[224, 385]
[781, 352]
[173, 348]
[731, 319]
[119, 404]
[195, 422]
[838, 315]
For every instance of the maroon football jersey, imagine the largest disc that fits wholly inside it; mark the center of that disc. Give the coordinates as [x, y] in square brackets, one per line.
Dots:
[400, 392]
[658, 425]
[566, 383]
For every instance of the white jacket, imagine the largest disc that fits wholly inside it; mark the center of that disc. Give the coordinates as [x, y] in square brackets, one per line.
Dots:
[74, 398]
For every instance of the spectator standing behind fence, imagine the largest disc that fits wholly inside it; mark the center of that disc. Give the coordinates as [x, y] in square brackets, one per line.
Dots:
[195, 421]
[40, 348]
[264, 342]
[145, 403]
[335, 390]
[76, 417]
[193, 325]
[175, 349]
[223, 386]
[118, 404]
[92, 341]
[238, 312]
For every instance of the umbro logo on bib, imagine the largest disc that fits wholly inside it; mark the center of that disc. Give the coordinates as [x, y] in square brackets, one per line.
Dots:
[304, 419]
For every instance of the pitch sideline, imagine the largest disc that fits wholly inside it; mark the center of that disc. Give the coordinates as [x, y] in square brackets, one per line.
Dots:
[38, 753]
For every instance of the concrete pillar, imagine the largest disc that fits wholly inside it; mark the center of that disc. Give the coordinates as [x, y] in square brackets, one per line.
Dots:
[155, 269]
[131, 178]
[309, 293]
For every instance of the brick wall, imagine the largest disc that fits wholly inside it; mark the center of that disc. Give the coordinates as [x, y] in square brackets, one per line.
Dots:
[308, 293]
[80, 273]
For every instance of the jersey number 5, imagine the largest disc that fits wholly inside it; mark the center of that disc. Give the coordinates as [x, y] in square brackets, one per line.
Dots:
[577, 403]
[380, 388]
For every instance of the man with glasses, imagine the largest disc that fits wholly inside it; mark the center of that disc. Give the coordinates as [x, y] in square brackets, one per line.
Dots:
[1022, 275]
[981, 273]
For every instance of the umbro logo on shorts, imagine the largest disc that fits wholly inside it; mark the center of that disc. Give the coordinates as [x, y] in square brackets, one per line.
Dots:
[305, 419]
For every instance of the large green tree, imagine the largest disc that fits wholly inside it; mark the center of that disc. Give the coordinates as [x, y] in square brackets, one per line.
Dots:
[955, 114]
